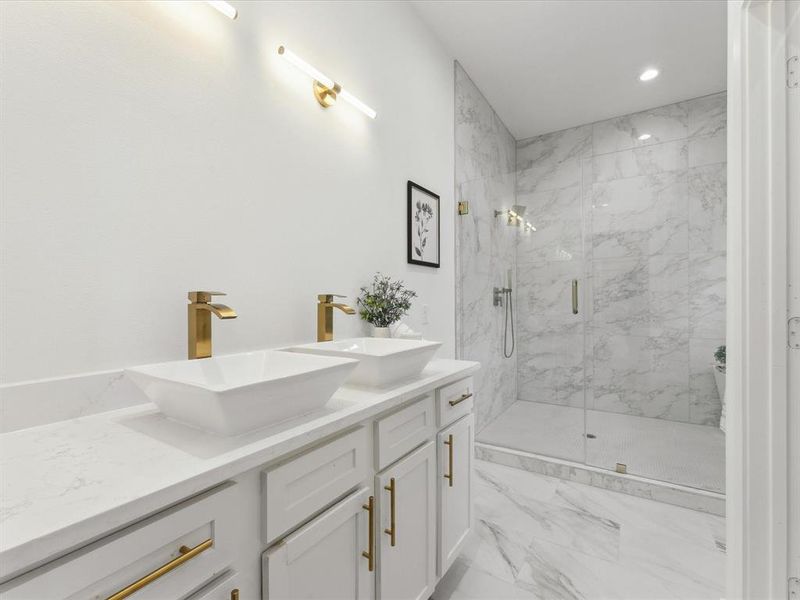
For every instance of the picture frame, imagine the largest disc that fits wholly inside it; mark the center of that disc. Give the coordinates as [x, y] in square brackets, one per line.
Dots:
[424, 226]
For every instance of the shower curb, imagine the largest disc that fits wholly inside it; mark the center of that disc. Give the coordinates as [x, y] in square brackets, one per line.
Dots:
[669, 493]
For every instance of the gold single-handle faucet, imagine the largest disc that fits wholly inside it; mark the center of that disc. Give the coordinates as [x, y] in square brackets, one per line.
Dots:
[200, 309]
[325, 315]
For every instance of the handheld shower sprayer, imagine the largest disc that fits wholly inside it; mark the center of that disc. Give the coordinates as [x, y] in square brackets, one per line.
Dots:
[499, 295]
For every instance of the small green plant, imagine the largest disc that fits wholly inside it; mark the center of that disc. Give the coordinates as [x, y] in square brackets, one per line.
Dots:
[385, 302]
[719, 356]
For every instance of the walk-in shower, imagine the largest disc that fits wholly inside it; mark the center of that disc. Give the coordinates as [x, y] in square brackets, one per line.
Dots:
[617, 285]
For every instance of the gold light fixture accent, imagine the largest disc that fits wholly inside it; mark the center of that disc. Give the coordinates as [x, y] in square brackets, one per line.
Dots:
[326, 90]
[326, 96]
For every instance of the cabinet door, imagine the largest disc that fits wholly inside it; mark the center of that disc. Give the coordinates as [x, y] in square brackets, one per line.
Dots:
[407, 547]
[455, 450]
[324, 558]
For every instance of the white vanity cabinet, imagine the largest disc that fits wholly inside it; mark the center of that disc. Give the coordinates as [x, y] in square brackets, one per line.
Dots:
[330, 557]
[378, 509]
[454, 521]
[393, 543]
[407, 527]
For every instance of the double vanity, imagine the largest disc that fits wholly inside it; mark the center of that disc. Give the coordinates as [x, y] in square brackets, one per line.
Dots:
[330, 470]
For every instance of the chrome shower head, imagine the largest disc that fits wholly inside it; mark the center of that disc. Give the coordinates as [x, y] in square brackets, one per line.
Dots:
[513, 215]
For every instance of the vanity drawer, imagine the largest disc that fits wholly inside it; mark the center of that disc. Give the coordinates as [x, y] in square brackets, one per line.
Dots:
[399, 433]
[294, 490]
[224, 587]
[165, 556]
[454, 401]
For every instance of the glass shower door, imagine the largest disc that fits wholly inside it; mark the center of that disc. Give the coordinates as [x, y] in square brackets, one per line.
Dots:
[548, 417]
[656, 313]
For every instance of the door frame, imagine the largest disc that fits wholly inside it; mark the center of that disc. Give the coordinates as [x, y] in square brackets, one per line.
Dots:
[757, 395]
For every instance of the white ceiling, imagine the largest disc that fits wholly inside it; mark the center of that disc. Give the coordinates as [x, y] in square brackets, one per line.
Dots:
[546, 65]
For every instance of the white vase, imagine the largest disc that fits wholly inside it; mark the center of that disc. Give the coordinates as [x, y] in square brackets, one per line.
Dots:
[380, 332]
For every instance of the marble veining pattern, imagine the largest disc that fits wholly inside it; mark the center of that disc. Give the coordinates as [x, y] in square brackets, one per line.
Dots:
[555, 540]
[641, 225]
[486, 246]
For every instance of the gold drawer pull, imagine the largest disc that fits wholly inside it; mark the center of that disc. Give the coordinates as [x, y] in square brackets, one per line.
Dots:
[463, 397]
[187, 554]
[235, 594]
[449, 443]
[392, 489]
[370, 554]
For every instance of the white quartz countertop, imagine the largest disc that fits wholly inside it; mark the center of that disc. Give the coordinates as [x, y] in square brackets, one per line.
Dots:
[68, 483]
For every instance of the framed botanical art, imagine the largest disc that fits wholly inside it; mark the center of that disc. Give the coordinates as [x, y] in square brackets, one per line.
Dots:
[423, 226]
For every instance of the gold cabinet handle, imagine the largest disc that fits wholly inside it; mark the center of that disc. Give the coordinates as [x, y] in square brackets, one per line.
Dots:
[449, 443]
[235, 594]
[574, 296]
[187, 554]
[370, 554]
[392, 489]
[463, 397]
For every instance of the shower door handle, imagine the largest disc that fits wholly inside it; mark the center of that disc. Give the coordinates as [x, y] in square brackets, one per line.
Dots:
[574, 296]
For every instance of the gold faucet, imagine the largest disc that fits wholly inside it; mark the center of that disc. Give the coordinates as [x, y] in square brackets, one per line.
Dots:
[325, 315]
[200, 309]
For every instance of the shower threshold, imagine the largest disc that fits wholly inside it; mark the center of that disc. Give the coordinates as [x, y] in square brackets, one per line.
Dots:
[633, 485]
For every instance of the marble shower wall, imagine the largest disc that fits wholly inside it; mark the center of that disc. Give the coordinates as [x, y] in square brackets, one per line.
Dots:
[641, 224]
[485, 175]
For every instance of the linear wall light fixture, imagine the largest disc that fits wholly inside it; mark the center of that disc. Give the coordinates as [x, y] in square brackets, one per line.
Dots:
[223, 7]
[326, 90]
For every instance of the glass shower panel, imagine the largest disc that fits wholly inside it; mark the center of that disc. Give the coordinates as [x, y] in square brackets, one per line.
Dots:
[653, 276]
[550, 365]
[548, 415]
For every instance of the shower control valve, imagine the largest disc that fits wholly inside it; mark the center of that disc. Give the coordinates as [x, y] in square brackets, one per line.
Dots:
[497, 296]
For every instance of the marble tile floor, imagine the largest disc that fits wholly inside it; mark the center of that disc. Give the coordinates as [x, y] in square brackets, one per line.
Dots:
[681, 453]
[537, 537]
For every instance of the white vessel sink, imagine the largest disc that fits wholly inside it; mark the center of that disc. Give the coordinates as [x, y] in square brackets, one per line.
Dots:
[242, 392]
[381, 360]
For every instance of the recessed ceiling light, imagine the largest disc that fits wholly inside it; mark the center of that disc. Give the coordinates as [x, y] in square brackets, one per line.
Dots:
[648, 74]
[644, 136]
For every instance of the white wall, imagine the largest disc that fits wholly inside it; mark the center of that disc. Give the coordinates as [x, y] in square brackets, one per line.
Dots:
[151, 148]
